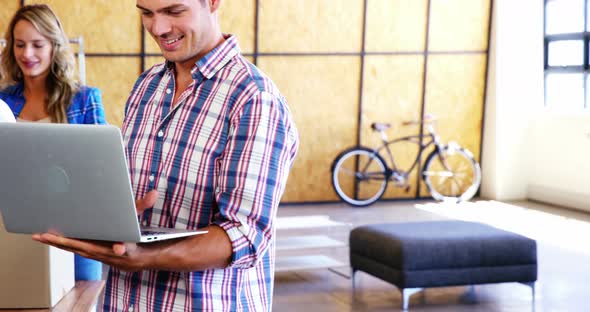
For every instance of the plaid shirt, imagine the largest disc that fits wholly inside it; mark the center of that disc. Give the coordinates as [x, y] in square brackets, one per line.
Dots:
[220, 156]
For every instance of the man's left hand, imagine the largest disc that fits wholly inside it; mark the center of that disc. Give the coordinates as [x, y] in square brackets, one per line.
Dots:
[125, 256]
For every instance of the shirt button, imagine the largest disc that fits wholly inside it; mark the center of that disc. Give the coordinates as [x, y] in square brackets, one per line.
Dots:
[168, 91]
[151, 178]
[160, 133]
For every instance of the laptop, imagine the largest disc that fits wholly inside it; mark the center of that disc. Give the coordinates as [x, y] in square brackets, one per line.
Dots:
[71, 180]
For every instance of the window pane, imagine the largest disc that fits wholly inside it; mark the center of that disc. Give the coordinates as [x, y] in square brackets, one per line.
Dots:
[564, 91]
[564, 16]
[566, 52]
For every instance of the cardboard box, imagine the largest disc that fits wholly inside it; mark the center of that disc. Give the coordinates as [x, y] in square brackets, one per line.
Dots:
[32, 275]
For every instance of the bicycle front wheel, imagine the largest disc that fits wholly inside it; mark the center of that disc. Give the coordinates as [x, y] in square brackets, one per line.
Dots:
[452, 174]
[359, 176]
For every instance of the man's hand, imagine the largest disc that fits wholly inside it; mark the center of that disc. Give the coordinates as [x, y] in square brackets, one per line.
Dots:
[141, 205]
[125, 256]
[146, 202]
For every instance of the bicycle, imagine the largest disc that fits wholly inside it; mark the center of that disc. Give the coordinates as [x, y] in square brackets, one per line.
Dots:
[360, 174]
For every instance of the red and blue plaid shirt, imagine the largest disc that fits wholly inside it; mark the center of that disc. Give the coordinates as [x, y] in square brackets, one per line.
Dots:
[220, 156]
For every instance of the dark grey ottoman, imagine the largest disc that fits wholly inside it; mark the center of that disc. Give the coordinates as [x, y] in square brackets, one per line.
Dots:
[416, 255]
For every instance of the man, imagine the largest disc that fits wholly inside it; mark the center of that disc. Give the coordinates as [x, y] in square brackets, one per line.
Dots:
[210, 142]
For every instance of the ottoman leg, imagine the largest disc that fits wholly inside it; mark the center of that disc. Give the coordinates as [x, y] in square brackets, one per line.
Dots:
[470, 296]
[532, 286]
[352, 275]
[353, 280]
[406, 293]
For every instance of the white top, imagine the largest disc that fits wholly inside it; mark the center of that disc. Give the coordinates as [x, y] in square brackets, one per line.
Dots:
[6, 114]
[44, 120]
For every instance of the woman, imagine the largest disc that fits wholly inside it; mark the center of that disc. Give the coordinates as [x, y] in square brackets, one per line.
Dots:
[38, 83]
[38, 72]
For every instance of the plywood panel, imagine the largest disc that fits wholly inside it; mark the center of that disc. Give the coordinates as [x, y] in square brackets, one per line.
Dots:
[310, 26]
[396, 26]
[238, 18]
[153, 60]
[115, 76]
[392, 94]
[7, 10]
[322, 93]
[454, 93]
[459, 25]
[107, 26]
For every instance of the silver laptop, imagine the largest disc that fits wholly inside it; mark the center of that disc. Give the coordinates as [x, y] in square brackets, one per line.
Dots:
[72, 180]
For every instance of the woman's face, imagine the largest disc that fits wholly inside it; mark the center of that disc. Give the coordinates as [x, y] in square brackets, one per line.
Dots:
[31, 50]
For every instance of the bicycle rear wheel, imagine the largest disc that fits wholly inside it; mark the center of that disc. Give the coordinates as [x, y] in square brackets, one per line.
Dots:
[452, 174]
[359, 176]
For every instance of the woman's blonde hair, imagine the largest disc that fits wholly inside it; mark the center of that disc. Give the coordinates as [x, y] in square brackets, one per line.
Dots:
[61, 82]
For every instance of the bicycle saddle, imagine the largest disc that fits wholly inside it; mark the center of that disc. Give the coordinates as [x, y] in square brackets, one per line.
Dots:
[377, 126]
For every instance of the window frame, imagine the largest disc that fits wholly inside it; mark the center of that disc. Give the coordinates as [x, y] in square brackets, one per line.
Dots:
[568, 69]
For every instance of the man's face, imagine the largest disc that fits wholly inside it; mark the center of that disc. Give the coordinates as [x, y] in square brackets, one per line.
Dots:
[182, 28]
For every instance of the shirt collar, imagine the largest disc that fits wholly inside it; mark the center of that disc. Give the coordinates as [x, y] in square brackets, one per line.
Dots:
[215, 60]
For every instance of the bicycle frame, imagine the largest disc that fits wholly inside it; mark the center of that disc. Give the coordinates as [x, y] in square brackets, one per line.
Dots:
[433, 137]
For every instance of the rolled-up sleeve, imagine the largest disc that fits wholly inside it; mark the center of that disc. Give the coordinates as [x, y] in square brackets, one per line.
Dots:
[252, 173]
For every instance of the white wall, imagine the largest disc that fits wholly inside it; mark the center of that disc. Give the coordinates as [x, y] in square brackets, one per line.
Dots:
[560, 160]
[515, 94]
[529, 152]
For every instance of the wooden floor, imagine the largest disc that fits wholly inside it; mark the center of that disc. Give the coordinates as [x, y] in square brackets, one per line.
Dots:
[563, 238]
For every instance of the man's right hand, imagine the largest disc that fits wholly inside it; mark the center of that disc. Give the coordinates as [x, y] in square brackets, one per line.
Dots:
[146, 202]
[141, 204]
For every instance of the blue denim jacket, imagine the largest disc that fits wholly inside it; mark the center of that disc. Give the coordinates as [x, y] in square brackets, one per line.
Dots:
[86, 107]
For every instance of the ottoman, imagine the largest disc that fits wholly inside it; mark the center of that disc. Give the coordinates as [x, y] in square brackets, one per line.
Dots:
[416, 255]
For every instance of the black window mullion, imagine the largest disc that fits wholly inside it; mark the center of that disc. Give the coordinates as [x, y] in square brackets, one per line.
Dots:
[586, 53]
[585, 15]
[565, 69]
[585, 40]
[568, 36]
[546, 54]
[586, 60]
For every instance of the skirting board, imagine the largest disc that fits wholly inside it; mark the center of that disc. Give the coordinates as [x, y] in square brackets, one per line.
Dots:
[559, 197]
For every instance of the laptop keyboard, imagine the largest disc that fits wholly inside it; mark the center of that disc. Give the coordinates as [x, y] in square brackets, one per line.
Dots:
[148, 232]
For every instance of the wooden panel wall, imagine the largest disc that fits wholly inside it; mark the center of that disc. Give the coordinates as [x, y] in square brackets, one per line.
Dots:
[310, 26]
[6, 12]
[418, 57]
[324, 103]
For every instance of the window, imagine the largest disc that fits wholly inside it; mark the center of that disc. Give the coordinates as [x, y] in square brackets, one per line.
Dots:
[567, 70]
